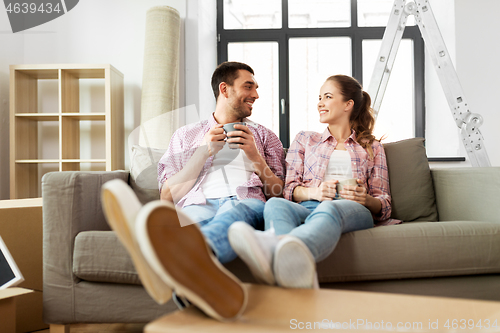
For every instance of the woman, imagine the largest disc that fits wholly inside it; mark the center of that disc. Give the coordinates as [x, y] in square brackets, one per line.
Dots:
[305, 227]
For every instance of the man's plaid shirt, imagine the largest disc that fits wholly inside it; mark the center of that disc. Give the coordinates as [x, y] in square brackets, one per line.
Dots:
[188, 138]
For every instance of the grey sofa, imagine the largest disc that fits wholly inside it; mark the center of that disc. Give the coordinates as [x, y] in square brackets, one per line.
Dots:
[448, 245]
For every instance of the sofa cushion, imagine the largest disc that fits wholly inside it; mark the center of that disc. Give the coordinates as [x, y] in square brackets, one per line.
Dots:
[143, 172]
[144, 195]
[468, 194]
[410, 180]
[414, 250]
[100, 257]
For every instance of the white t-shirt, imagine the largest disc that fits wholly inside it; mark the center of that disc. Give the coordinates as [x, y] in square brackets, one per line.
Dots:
[230, 168]
[339, 166]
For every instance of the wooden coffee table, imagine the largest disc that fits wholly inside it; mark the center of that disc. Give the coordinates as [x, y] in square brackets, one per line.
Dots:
[273, 309]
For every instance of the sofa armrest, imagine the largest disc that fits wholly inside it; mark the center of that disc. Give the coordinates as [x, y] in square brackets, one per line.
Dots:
[467, 194]
[71, 204]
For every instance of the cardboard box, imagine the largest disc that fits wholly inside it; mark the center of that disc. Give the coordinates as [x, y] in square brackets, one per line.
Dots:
[29, 309]
[8, 308]
[21, 230]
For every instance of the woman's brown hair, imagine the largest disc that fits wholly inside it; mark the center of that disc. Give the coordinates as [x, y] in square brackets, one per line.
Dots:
[362, 119]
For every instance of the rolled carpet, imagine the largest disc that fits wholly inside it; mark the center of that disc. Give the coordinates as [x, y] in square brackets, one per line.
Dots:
[160, 82]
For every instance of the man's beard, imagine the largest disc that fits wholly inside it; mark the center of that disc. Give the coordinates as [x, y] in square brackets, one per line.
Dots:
[239, 109]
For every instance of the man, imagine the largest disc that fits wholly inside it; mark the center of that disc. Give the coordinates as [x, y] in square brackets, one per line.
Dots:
[182, 246]
[214, 186]
[245, 179]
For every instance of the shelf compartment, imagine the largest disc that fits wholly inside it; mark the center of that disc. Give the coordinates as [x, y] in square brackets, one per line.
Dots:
[28, 177]
[47, 96]
[77, 84]
[26, 180]
[28, 129]
[83, 165]
[26, 139]
[48, 140]
[83, 138]
[27, 101]
[86, 102]
[70, 92]
[96, 90]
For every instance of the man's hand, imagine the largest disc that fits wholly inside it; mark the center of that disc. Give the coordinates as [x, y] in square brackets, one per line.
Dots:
[325, 192]
[214, 139]
[174, 188]
[244, 136]
[243, 139]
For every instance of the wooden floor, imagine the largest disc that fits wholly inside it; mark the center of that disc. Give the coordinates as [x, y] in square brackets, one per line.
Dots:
[103, 328]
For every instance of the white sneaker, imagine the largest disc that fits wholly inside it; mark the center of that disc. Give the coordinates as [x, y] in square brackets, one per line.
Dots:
[255, 248]
[121, 206]
[294, 265]
[177, 251]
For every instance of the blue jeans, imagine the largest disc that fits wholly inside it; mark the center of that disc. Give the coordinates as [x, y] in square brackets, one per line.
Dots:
[318, 224]
[217, 215]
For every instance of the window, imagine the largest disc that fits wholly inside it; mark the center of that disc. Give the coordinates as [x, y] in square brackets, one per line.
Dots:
[294, 45]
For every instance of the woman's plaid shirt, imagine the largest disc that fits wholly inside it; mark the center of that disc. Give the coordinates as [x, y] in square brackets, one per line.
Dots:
[307, 161]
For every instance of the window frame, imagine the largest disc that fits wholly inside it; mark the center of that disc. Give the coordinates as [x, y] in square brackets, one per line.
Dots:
[357, 35]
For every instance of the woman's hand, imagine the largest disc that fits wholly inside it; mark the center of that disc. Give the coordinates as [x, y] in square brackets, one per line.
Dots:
[355, 193]
[359, 194]
[325, 192]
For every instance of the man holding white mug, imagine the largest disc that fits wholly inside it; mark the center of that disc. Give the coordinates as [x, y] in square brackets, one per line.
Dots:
[198, 161]
[216, 178]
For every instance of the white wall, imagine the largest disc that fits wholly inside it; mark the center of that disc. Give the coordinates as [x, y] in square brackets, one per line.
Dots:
[473, 49]
[201, 57]
[95, 31]
[478, 67]
[441, 132]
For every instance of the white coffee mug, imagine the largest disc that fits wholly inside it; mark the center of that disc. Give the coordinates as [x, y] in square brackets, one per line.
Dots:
[345, 182]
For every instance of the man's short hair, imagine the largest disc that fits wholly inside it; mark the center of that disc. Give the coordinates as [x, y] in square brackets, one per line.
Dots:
[227, 72]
